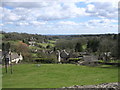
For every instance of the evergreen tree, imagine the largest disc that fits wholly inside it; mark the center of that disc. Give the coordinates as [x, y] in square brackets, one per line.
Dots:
[78, 47]
[93, 45]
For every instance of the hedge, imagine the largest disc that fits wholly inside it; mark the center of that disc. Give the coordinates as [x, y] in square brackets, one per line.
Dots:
[73, 60]
[44, 60]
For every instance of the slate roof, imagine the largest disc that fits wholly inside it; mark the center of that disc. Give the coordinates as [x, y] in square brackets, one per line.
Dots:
[90, 58]
[13, 55]
[64, 54]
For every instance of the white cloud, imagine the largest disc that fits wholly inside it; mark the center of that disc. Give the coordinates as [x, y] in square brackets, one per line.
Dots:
[22, 23]
[95, 23]
[114, 3]
[8, 15]
[1, 12]
[102, 9]
[12, 17]
[35, 3]
[91, 8]
[38, 12]
[37, 23]
[42, 0]
[60, 9]
[1, 24]
[8, 23]
[69, 27]
[67, 23]
[101, 23]
[25, 4]
[53, 11]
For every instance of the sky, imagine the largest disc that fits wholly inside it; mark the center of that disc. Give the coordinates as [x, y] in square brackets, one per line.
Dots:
[59, 17]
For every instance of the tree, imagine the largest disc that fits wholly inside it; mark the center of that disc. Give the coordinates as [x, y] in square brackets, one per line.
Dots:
[107, 45]
[6, 47]
[93, 45]
[65, 44]
[48, 46]
[54, 49]
[78, 47]
[22, 48]
[25, 41]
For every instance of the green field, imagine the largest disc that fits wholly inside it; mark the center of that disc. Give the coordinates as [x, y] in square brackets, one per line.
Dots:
[57, 75]
[46, 44]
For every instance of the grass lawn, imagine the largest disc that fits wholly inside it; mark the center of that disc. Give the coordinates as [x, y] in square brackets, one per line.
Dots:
[57, 75]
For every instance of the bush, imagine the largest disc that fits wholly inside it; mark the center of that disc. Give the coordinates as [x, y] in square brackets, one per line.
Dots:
[44, 60]
[64, 61]
[73, 60]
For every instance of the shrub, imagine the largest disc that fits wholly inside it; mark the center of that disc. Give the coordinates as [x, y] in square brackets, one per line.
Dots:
[44, 60]
[73, 60]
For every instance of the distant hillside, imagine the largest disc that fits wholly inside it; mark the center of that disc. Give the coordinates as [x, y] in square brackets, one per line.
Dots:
[22, 37]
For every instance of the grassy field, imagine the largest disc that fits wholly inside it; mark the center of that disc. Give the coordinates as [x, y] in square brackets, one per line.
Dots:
[46, 44]
[57, 75]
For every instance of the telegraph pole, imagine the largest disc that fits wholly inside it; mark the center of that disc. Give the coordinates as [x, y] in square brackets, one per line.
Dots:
[4, 53]
[10, 62]
[5, 63]
[5, 49]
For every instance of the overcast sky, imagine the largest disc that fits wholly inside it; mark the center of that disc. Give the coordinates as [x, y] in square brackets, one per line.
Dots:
[56, 17]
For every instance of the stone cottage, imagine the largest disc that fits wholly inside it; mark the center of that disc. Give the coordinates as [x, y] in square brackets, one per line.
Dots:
[11, 58]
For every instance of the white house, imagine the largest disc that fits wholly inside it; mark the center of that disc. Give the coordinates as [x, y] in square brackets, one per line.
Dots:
[14, 57]
[32, 43]
[11, 57]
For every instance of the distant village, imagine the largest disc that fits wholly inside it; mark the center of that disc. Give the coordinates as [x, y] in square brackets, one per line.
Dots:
[57, 49]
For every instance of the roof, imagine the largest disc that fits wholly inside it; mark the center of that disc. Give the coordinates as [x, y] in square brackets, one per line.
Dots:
[64, 54]
[89, 58]
[14, 55]
[83, 53]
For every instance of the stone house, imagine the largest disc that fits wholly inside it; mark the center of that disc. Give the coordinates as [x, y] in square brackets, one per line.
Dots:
[11, 58]
[62, 55]
[89, 60]
[15, 57]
